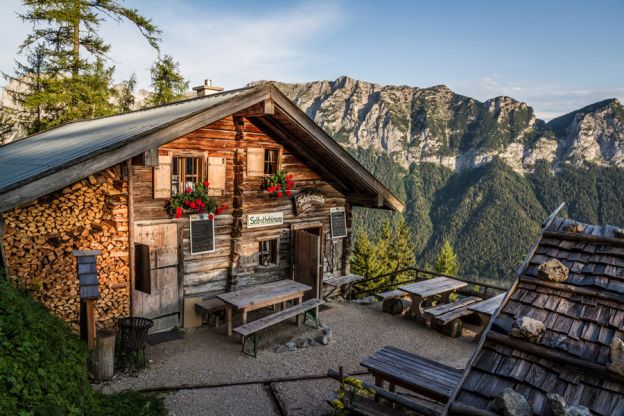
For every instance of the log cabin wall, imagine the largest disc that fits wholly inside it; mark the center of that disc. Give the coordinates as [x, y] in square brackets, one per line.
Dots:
[38, 241]
[235, 263]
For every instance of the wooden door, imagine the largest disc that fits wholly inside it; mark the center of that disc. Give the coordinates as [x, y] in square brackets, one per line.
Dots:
[307, 261]
[162, 305]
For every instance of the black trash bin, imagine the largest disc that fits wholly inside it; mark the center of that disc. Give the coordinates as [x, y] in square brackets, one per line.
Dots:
[133, 335]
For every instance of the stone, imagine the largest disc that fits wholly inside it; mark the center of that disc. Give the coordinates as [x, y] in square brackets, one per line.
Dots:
[326, 331]
[280, 348]
[322, 339]
[312, 342]
[618, 233]
[575, 228]
[559, 407]
[553, 270]
[511, 403]
[290, 346]
[556, 404]
[616, 356]
[527, 328]
[302, 343]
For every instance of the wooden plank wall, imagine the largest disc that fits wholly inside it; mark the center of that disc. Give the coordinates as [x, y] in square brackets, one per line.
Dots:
[208, 274]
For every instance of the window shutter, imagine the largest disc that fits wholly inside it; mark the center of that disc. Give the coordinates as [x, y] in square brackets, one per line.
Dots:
[255, 161]
[216, 176]
[142, 273]
[162, 177]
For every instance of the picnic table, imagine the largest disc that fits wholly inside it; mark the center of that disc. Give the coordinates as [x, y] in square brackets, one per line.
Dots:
[422, 292]
[260, 296]
[485, 309]
[412, 372]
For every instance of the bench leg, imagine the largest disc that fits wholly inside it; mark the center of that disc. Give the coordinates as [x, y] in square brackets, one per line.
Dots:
[255, 339]
[379, 383]
[298, 318]
[228, 318]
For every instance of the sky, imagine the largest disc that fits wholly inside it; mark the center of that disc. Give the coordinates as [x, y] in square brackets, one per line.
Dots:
[557, 56]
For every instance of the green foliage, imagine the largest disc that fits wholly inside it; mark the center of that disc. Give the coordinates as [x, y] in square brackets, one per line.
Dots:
[364, 260]
[65, 76]
[168, 84]
[447, 262]
[43, 367]
[125, 99]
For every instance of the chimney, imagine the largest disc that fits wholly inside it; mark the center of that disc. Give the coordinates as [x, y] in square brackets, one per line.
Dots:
[207, 88]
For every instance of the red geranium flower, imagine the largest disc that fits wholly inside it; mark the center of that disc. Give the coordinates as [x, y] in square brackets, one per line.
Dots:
[279, 194]
[223, 206]
[279, 186]
[210, 216]
[189, 190]
[187, 202]
[192, 205]
[206, 184]
[288, 193]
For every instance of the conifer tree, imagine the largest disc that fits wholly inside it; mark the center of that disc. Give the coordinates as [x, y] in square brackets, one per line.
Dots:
[76, 83]
[447, 262]
[383, 244]
[401, 253]
[167, 82]
[364, 258]
[125, 100]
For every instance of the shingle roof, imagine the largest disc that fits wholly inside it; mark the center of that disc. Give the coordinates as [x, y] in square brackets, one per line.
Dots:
[581, 316]
[40, 154]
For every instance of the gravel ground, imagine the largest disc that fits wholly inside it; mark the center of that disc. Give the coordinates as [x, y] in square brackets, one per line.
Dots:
[207, 356]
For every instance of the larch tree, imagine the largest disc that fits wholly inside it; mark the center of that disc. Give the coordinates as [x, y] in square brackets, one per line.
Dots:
[401, 251]
[168, 84]
[125, 95]
[66, 33]
[447, 262]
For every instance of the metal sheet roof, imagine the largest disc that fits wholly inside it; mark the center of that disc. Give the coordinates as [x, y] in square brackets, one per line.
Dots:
[40, 154]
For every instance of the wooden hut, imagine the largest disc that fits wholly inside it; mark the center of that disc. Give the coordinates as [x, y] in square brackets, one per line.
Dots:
[104, 184]
[578, 353]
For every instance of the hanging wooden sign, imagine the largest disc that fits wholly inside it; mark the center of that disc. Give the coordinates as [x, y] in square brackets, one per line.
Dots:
[202, 234]
[306, 202]
[338, 222]
[266, 219]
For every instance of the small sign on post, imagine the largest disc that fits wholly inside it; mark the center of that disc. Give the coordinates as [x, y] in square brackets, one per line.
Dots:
[89, 293]
[338, 222]
[202, 234]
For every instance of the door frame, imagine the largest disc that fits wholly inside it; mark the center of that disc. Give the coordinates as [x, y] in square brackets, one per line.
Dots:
[306, 226]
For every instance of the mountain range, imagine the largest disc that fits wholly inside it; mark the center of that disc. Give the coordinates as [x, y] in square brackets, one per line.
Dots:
[482, 175]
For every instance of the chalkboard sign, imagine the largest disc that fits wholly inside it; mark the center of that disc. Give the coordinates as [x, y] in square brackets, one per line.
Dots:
[338, 222]
[202, 234]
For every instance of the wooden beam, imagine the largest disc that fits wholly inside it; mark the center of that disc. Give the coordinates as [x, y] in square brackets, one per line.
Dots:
[588, 367]
[601, 294]
[503, 303]
[131, 253]
[260, 109]
[618, 242]
[150, 157]
[108, 156]
[3, 258]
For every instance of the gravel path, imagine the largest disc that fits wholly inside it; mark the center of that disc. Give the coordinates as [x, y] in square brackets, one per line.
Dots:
[206, 356]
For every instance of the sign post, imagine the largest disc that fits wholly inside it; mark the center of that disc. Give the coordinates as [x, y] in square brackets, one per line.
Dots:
[89, 293]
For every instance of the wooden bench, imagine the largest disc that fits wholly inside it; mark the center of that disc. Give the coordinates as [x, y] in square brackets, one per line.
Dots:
[446, 318]
[393, 301]
[485, 309]
[420, 375]
[252, 328]
[344, 283]
[209, 307]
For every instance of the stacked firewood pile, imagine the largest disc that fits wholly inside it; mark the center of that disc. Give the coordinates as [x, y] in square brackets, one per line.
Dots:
[39, 239]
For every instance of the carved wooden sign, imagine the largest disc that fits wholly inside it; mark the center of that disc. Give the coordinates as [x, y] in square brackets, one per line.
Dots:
[338, 222]
[265, 220]
[202, 234]
[305, 202]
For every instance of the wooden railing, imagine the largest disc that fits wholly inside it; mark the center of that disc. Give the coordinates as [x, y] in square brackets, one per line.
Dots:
[476, 286]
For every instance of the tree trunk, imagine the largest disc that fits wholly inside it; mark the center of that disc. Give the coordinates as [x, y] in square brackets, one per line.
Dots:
[76, 51]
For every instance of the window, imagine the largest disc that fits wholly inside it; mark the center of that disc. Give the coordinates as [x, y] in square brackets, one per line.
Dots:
[268, 252]
[185, 173]
[271, 157]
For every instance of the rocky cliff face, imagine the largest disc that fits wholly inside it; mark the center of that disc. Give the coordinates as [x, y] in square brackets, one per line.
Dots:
[439, 126]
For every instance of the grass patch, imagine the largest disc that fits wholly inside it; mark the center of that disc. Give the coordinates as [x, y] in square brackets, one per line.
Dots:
[43, 366]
